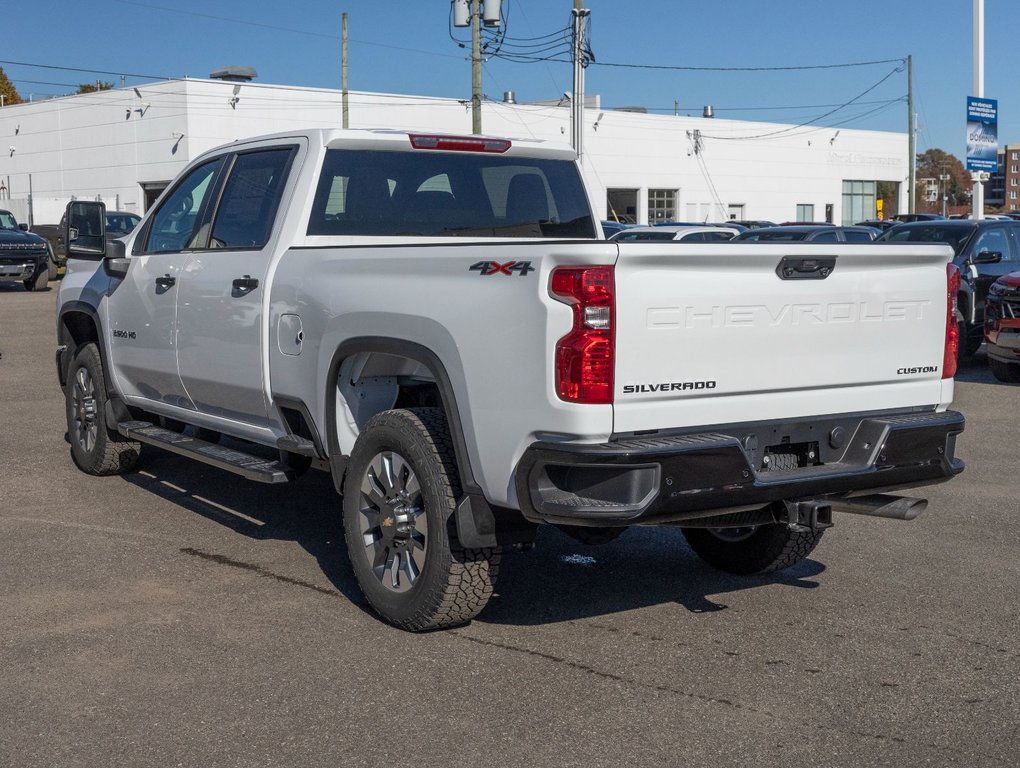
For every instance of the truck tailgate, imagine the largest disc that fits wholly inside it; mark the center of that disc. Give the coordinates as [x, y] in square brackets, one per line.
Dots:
[712, 334]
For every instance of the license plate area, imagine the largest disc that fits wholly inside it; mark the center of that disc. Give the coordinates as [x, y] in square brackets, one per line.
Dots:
[786, 456]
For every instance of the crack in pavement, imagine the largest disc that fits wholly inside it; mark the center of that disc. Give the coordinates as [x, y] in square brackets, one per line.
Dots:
[588, 669]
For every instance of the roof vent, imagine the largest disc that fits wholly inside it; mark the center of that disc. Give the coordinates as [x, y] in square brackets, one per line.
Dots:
[234, 74]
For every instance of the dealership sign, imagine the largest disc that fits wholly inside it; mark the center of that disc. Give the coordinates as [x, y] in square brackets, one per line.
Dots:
[982, 134]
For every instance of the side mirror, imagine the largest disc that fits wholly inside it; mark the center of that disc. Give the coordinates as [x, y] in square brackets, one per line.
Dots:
[23, 227]
[986, 257]
[85, 229]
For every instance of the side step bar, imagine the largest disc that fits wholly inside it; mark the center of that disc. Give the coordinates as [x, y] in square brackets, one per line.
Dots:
[256, 468]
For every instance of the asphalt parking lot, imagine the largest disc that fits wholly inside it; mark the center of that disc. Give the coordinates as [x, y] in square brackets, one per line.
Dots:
[179, 616]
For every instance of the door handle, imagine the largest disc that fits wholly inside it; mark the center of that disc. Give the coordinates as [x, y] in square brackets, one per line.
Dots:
[246, 283]
[165, 282]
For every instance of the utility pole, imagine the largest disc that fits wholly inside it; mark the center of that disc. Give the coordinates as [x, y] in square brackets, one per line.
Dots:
[580, 15]
[912, 133]
[343, 70]
[476, 66]
[978, 194]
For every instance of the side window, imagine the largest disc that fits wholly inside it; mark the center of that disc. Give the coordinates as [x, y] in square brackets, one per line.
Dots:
[175, 225]
[993, 241]
[826, 237]
[251, 196]
[854, 236]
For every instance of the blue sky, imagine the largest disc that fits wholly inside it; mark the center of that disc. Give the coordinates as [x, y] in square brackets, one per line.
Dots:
[404, 46]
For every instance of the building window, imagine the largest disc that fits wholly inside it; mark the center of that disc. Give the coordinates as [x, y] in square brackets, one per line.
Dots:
[858, 201]
[1013, 168]
[805, 212]
[1015, 156]
[1013, 182]
[661, 205]
[1012, 195]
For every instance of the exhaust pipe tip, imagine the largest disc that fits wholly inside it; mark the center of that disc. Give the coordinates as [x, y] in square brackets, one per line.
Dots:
[881, 505]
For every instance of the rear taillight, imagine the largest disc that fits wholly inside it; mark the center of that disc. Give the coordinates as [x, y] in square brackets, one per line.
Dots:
[952, 328]
[585, 357]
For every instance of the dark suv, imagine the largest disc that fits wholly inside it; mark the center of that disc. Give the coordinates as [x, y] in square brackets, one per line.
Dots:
[1002, 328]
[984, 251]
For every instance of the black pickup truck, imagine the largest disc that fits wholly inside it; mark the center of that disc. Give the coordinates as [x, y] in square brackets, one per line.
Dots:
[24, 256]
[118, 224]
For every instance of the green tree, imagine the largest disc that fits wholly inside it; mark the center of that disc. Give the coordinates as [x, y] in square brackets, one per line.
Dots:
[934, 163]
[7, 90]
[99, 85]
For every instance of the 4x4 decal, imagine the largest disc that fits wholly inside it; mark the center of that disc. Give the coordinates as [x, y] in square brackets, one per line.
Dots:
[487, 268]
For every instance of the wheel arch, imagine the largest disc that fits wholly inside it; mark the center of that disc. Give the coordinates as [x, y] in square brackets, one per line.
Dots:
[77, 324]
[421, 355]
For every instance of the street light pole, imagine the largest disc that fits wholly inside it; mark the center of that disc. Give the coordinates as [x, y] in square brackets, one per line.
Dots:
[978, 194]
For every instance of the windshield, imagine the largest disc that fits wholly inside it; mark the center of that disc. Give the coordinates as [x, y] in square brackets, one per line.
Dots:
[7, 221]
[449, 194]
[955, 236]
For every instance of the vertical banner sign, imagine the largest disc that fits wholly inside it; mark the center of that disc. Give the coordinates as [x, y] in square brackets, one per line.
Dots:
[982, 134]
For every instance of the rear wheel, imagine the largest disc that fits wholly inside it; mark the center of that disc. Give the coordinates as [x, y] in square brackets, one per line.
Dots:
[752, 549]
[400, 492]
[1003, 371]
[95, 447]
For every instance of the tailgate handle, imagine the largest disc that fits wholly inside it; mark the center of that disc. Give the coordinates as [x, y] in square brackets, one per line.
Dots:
[805, 267]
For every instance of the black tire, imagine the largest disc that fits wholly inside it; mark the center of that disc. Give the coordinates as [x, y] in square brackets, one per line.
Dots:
[400, 529]
[39, 282]
[754, 549]
[95, 448]
[1006, 372]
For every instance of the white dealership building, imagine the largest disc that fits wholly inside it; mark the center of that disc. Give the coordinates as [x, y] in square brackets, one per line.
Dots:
[125, 145]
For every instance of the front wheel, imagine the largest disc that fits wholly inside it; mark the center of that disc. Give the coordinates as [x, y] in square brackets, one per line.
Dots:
[752, 549]
[39, 282]
[96, 447]
[400, 493]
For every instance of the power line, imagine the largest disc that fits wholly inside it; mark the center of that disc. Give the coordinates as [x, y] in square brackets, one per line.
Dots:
[749, 69]
[816, 119]
[82, 69]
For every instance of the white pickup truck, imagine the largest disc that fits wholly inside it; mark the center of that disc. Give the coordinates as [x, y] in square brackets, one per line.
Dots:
[438, 322]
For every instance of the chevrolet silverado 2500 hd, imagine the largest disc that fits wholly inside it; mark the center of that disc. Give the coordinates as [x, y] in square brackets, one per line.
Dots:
[437, 322]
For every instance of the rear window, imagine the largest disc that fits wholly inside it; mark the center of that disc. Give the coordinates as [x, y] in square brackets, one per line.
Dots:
[432, 193]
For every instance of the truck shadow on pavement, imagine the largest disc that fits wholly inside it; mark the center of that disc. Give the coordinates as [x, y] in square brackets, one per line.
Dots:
[559, 580]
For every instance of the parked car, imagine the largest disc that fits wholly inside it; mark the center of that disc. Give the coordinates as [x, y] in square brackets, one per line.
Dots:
[984, 251]
[905, 218]
[880, 224]
[754, 223]
[118, 224]
[610, 228]
[823, 233]
[1002, 328]
[687, 233]
[24, 256]
[730, 224]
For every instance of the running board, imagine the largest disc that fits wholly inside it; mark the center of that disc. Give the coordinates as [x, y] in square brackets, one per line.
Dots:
[256, 468]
